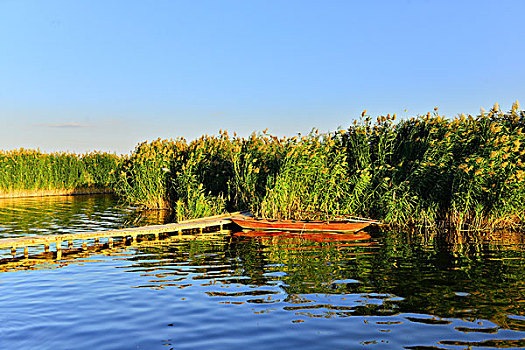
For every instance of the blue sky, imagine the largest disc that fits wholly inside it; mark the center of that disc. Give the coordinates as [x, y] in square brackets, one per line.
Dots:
[105, 75]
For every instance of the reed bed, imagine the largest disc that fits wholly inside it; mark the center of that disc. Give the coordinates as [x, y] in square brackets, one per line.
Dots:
[204, 177]
[428, 171]
[465, 172]
[29, 172]
[312, 179]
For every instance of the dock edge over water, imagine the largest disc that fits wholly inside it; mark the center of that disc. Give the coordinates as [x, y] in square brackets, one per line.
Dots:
[133, 232]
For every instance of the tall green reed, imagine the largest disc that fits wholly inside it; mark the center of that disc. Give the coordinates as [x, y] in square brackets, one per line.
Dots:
[313, 179]
[32, 170]
[466, 172]
[203, 177]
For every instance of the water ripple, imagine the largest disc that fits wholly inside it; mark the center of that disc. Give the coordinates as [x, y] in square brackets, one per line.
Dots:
[260, 291]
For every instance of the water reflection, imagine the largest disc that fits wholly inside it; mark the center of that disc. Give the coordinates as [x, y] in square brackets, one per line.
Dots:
[381, 277]
[34, 216]
[392, 288]
[283, 290]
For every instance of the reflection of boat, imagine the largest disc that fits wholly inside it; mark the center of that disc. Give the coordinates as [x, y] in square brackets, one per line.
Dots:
[300, 226]
[316, 237]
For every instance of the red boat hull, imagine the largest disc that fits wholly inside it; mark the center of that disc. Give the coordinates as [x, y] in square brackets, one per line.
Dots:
[300, 226]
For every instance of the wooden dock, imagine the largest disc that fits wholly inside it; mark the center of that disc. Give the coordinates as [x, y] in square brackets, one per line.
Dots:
[218, 221]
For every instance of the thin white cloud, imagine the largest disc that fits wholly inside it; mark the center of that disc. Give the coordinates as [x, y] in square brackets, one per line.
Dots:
[70, 125]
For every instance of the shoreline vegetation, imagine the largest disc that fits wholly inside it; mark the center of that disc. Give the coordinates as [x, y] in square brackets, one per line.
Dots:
[466, 173]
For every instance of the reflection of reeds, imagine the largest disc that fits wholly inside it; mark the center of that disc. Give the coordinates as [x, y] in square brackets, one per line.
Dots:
[55, 192]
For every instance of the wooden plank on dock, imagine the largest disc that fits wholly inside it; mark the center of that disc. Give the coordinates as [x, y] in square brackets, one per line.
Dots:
[200, 224]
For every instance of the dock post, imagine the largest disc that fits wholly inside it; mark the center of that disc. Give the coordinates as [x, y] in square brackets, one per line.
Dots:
[26, 252]
[157, 236]
[200, 229]
[84, 245]
[179, 232]
[59, 249]
[220, 227]
[13, 251]
[110, 241]
[46, 247]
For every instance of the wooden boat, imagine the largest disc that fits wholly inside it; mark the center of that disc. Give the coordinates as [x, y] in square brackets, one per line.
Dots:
[301, 226]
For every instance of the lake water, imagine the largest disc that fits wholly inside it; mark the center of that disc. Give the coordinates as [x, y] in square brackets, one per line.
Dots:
[256, 290]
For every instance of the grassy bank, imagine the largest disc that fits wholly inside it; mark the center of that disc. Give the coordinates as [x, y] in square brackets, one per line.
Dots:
[465, 172]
